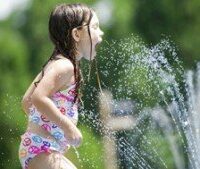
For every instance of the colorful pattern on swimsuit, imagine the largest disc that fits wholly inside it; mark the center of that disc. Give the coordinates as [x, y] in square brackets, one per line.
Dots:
[64, 102]
[32, 144]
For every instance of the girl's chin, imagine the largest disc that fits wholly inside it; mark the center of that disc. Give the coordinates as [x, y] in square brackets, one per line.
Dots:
[88, 58]
[93, 56]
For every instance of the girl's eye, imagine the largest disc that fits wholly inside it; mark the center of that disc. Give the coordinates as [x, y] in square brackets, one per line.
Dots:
[95, 26]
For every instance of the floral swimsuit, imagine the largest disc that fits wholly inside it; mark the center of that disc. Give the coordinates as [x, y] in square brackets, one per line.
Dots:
[33, 144]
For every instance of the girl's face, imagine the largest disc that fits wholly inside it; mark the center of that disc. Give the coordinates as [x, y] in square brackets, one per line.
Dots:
[84, 45]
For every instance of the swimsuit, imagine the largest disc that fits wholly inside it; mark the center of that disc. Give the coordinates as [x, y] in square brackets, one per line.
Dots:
[33, 144]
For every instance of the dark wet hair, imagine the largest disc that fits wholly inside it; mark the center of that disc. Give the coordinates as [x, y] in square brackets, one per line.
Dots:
[62, 20]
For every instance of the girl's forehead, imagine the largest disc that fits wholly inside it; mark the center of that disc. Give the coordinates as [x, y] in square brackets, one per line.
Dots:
[94, 19]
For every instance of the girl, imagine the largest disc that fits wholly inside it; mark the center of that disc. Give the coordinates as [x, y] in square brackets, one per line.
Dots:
[52, 99]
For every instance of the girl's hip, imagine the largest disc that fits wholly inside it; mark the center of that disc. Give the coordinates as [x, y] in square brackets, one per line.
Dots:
[33, 144]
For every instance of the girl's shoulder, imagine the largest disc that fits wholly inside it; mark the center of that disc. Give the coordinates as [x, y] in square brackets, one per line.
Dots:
[57, 75]
[61, 65]
[64, 62]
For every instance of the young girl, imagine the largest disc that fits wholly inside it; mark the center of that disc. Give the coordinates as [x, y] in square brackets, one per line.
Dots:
[52, 99]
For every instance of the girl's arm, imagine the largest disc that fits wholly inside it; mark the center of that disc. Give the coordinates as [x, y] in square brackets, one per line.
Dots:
[54, 79]
[26, 100]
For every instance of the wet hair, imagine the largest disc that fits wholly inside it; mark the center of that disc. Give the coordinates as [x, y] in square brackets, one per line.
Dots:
[63, 19]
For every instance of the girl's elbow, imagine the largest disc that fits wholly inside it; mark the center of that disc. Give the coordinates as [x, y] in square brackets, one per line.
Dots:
[25, 103]
[24, 100]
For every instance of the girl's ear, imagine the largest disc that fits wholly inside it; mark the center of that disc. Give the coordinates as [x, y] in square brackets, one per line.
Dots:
[76, 34]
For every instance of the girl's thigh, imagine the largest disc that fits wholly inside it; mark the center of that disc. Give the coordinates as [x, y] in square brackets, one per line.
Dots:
[54, 160]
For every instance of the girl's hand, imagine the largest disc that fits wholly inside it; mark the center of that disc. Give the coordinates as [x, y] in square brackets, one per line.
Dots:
[74, 136]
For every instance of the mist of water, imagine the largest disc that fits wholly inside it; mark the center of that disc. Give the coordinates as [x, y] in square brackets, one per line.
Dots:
[152, 77]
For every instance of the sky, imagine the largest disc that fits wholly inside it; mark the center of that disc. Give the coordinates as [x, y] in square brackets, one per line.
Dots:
[8, 6]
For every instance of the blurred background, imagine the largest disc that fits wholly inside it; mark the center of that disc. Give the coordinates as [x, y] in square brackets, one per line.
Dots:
[25, 46]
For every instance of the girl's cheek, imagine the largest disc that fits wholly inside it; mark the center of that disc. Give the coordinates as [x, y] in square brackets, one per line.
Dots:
[95, 37]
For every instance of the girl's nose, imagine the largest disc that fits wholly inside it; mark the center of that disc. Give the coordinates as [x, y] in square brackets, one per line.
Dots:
[101, 33]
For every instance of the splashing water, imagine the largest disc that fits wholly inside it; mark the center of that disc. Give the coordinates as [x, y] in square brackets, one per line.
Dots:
[166, 133]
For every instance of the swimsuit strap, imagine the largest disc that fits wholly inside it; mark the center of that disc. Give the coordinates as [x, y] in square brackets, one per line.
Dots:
[71, 86]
